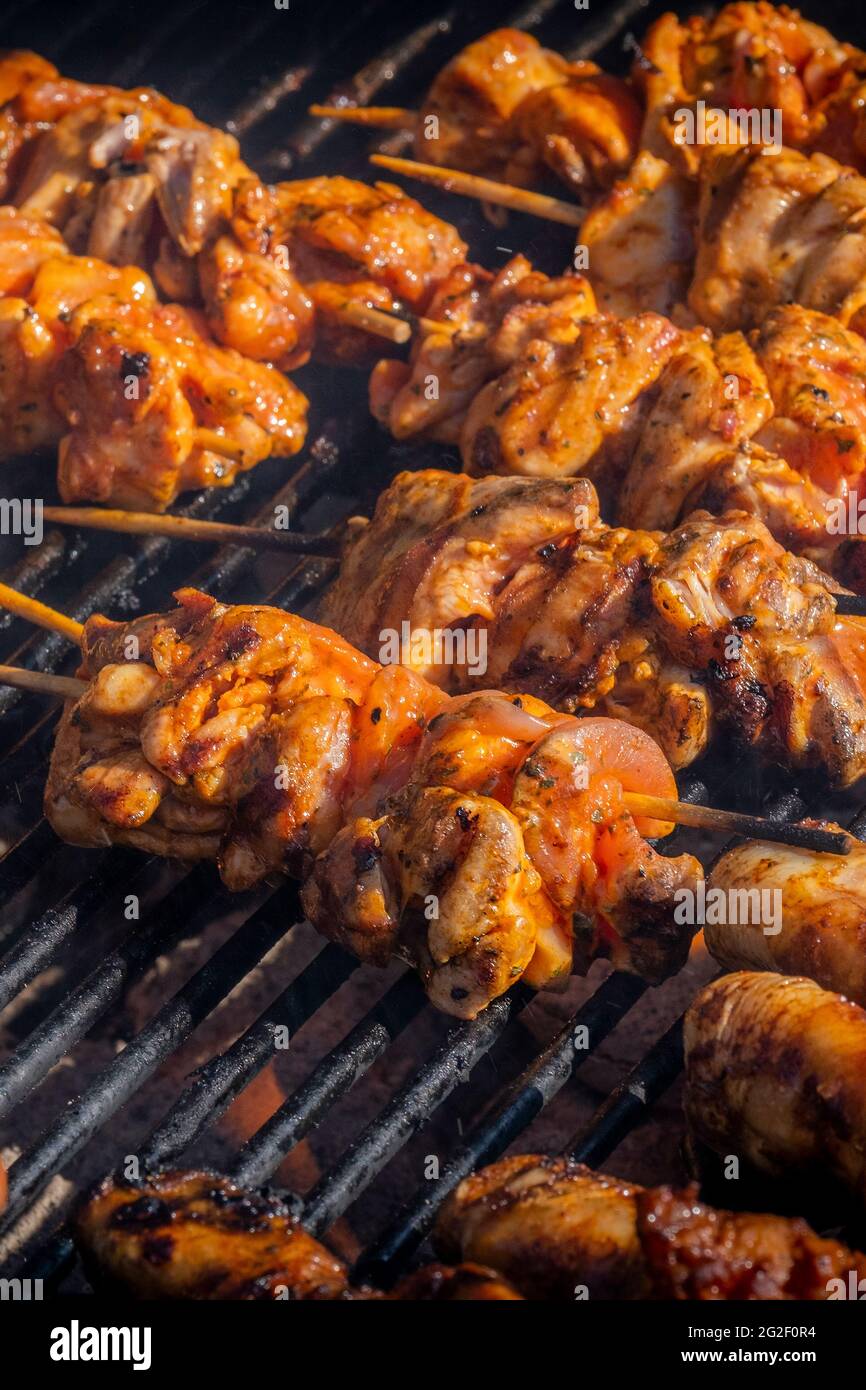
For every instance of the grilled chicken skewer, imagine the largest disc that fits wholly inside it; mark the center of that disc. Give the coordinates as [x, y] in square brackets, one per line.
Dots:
[253, 737]
[555, 1228]
[217, 1241]
[508, 109]
[774, 1073]
[132, 178]
[710, 626]
[617, 621]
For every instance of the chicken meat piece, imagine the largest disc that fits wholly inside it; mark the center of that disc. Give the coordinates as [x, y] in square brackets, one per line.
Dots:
[697, 1253]
[139, 399]
[796, 511]
[466, 117]
[782, 672]
[32, 94]
[710, 397]
[585, 130]
[192, 167]
[640, 240]
[44, 286]
[573, 407]
[793, 912]
[153, 407]
[816, 373]
[189, 1235]
[506, 107]
[746, 56]
[549, 1226]
[439, 548]
[249, 735]
[346, 242]
[494, 318]
[778, 229]
[775, 1074]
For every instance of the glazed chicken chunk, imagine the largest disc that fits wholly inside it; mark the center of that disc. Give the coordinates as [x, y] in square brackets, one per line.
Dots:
[139, 400]
[506, 107]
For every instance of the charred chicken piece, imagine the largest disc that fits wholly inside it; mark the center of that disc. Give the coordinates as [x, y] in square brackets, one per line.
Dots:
[188, 1235]
[346, 241]
[821, 911]
[775, 1073]
[251, 736]
[549, 1226]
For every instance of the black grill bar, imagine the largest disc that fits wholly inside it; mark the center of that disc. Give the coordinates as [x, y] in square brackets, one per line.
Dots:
[38, 944]
[344, 1065]
[519, 1106]
[216, 1084]
[165, 1032]
[409, 1110]
[631, 1100]
[71, 1019]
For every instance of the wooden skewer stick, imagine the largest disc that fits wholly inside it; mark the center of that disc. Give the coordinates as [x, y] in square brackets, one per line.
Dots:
[40, 614]
[485, 190]
[182, 528]
[42, 682]
[735, 823]
[375, 321]
[382, 117]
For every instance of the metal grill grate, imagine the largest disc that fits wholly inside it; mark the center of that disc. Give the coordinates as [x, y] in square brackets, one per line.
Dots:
[230, 64]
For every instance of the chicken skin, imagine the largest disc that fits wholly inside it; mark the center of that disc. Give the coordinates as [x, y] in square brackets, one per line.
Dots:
[775, 1074]
[822, 928]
